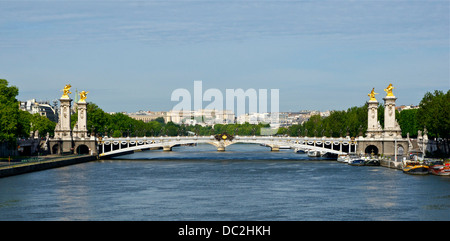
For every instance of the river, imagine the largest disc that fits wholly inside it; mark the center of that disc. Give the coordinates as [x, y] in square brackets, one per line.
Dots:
[246, 182]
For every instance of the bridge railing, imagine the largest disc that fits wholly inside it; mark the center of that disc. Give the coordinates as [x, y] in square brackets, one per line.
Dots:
[286, 138]
[124, 144]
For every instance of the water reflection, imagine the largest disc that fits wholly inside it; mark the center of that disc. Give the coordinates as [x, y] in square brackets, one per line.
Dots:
[72, 193]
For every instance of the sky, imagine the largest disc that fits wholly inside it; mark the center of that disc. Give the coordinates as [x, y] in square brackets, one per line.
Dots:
[131, 55]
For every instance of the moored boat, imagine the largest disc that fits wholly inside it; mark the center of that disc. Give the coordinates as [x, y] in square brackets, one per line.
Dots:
[312, 153]
[356, 161]
[440, 169]
[416, 168]
[372, 162]
[343, 158]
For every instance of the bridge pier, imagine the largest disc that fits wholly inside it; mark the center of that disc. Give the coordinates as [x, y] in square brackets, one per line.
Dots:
[275, 148]
[167, 148]
[221, 148]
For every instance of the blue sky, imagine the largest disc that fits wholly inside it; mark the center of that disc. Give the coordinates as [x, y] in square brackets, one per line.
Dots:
[131, 55]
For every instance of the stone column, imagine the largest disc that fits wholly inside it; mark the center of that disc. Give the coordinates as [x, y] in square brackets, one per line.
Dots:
[63, 130]
[372, 114]
[80, 130]
[374, 129]
[391, 127]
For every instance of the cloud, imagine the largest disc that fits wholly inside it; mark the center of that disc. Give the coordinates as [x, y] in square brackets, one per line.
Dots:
[158, 22]
[227, 44]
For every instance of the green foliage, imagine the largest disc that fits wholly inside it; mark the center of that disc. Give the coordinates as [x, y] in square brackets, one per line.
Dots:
[16, 123]
[434, 114]
[352, 122]
[117, 133]
[42, 124]
[24, 124]
[9, 112]
[408, 121]
[160, 120]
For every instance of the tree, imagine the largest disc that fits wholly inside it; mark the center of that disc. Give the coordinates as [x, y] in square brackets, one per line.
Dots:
[42, 124]
[408, 121]
[97, 119]
[24, 124]
[434, 114]
[117, 133]
[160, 120]
[9, 112]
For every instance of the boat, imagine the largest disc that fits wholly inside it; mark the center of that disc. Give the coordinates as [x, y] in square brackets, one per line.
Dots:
[312, 153]
[343, 158]
[285, 147]
[356, 161]
[440, 169]
[416, 168]
[371, 162]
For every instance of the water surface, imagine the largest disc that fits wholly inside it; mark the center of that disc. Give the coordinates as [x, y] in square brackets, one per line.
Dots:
[246, 182]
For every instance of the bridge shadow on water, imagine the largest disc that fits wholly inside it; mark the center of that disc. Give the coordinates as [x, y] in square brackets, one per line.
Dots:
[209, 152]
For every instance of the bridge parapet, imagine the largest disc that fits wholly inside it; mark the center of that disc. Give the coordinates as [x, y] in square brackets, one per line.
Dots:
[115, 146]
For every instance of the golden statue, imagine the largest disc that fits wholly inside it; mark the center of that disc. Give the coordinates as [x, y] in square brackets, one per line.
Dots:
[372, 94]
[389, 90]
[83, 95]
[66, 91]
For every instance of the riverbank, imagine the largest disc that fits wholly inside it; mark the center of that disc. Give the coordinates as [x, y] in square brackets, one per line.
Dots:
[42, 163]
[391, 164]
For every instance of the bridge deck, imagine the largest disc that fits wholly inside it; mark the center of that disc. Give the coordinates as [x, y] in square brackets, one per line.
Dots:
[125, 145]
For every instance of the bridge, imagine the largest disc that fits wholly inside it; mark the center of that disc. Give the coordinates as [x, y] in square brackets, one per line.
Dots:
[117, 146]
[386, 140]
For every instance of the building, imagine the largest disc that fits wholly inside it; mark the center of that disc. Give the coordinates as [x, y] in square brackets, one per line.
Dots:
[406, 107]
[147, 116]
[253, 118]
[42, 107]
[201, 117]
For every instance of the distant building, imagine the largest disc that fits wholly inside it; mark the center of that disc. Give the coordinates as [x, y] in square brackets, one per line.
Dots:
[407, 107]
[203, 117]
[254, 118]
[42, 107]
[147, 116]
[207, 117]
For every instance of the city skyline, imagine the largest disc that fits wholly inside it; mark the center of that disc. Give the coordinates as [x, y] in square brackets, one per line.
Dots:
[131, 55]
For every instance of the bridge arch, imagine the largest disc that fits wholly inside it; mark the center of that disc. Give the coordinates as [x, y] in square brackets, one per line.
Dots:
[117, 146]
[55, 149]
[372, 149]
[82, 149]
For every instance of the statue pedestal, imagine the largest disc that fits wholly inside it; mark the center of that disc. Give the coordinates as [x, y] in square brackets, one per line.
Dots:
[374, 129]
[80, 128]
[391, 127]
[63, 130]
